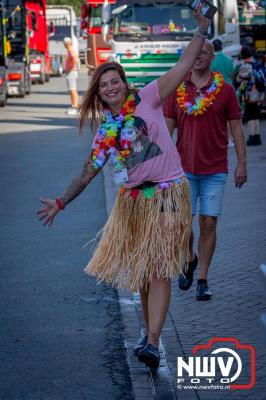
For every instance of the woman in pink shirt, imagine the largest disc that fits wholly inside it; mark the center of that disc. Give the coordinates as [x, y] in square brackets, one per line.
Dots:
[145, 241]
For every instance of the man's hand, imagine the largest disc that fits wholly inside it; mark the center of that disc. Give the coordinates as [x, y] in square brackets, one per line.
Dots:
[240, 174]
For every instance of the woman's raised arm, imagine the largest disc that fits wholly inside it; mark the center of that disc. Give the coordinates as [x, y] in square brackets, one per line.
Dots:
[172, 79]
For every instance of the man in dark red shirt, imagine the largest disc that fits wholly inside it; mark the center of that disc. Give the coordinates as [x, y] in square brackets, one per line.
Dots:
[201, 109]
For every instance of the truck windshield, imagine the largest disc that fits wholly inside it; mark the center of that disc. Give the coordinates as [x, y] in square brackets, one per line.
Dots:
[155, 20]
[60, 32]
[59, 27]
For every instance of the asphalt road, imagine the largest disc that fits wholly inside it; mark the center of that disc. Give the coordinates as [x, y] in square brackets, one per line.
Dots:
[61, 334]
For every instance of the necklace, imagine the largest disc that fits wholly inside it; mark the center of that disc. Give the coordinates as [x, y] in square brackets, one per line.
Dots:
[111, 129]
[203, 101]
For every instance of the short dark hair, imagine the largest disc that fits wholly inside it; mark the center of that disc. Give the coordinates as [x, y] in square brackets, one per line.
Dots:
[246, 52]
[218, 45]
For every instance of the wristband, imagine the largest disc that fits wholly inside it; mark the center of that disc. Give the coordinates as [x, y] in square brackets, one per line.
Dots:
[202, 33]
[59, 203]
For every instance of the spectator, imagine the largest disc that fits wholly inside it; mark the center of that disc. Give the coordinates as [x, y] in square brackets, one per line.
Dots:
[221, 62]
[201, 109]
[250, 80]
[71, 69]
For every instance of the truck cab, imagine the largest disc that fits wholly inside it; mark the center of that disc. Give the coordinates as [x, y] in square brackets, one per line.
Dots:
[149, 37]
[40, 66]
[17, 48]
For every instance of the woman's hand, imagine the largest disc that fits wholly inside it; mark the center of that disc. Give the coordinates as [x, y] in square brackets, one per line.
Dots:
[49, 212]
[203, 22]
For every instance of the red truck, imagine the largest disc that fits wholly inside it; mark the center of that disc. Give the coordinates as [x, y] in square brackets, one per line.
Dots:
[26, 44]
[40, 63]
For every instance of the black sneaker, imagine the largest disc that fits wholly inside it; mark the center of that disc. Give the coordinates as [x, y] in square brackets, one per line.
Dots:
[141, 344]
[203, 291]
[257, 140]
[185, 280]
[150, 356]
[251, 141]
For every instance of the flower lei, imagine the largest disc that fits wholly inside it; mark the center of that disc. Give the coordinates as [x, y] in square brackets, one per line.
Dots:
[203, 101]
[109, 130]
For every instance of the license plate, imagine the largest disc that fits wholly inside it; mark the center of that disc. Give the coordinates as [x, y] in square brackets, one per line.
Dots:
[35, 67]
[13, 90]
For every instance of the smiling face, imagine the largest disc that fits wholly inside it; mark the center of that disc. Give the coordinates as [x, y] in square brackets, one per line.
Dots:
[112, 90]
[205, 58]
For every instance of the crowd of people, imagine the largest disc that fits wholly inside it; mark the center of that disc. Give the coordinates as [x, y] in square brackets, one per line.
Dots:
[248, 77]
[148, 238]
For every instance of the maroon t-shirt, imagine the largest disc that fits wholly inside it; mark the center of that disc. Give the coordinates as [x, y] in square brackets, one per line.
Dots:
[202, 141]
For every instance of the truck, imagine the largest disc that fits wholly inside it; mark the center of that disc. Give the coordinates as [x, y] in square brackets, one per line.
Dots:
[40, 62]
[148, 37]
[16, 47]
[26, 44]
[3, 57]
[92, 19]
[62, 22]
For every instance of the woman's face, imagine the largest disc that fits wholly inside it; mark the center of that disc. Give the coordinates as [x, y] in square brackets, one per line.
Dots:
[112, 89]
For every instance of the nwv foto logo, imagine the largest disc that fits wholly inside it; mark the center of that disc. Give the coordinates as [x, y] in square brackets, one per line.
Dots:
[223, 364]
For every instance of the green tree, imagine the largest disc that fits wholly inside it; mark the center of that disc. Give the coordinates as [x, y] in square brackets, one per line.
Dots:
[76, 4]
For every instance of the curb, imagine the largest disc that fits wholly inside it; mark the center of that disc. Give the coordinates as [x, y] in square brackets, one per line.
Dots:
[146, 384]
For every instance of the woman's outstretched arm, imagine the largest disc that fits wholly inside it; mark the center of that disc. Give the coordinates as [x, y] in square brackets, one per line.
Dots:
[172, 79]
[78, 184]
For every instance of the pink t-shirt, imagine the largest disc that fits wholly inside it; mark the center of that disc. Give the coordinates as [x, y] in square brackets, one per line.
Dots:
[153, 156]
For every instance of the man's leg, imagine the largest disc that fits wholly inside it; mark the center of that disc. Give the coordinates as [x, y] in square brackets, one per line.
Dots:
[211, 200]
[191, 247]
[74, 98]
[252, 133]
[207, 243]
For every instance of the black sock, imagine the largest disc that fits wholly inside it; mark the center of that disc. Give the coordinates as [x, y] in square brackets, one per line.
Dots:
[202, 280]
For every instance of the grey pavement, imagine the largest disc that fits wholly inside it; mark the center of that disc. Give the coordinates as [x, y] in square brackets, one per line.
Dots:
[64, 337]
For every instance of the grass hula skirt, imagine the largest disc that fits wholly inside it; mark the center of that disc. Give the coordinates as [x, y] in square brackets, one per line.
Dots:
[145, 237]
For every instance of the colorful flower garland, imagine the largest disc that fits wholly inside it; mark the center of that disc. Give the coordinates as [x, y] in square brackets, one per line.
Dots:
[109, 130]
[150, 192]
[203, 101]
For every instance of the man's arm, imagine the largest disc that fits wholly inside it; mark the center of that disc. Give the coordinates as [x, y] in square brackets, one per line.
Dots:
[240, 147]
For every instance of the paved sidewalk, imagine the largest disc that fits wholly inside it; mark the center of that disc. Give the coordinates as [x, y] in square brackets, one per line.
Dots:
[237, 302]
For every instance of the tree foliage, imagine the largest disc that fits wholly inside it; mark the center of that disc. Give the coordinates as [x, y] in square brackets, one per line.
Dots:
[76, 4]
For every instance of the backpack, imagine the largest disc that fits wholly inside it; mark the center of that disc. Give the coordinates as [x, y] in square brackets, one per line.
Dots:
[253, 74]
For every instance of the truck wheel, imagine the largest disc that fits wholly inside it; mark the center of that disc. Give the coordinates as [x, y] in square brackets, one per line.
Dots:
[42, 78]
[22, 93]
[3, 101]
[28, 89]
[47, 77]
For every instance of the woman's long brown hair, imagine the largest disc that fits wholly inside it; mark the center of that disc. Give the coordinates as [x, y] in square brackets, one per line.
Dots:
[92, 106]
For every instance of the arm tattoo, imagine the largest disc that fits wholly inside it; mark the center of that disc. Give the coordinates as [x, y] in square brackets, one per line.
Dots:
[80, 182]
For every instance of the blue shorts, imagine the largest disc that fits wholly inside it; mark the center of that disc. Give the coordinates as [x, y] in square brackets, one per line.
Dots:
[209, 189]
